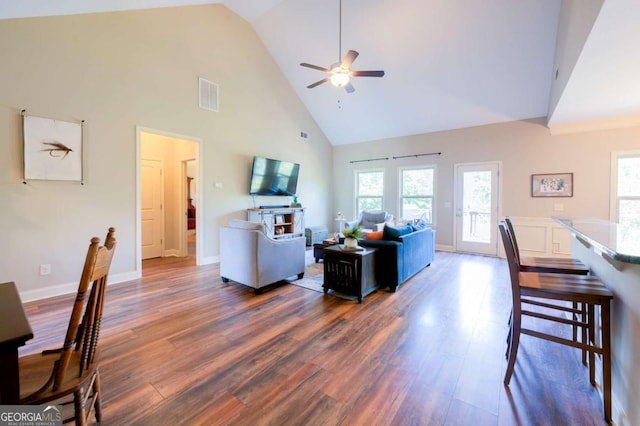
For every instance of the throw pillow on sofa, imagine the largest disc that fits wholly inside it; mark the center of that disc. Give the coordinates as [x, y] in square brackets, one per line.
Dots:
[373, 235]
[418, 225]
[391, 233]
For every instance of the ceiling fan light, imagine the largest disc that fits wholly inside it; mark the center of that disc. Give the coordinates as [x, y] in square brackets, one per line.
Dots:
[340, 79]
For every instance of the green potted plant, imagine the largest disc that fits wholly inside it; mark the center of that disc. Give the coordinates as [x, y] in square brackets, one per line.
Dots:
[351, 236]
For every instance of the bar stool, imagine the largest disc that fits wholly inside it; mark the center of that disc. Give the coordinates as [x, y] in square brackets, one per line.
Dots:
[552, 265]
[545, 264]
[585, 290]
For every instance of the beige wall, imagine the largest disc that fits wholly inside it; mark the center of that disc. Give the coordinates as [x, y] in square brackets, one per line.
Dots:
[120, 70]
[523, 147]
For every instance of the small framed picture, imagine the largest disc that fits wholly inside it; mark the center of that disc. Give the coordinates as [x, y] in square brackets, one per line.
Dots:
[552, 185]
[279, 219]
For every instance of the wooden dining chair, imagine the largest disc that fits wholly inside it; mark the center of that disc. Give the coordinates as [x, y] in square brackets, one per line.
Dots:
[70, 374]
[550, 295]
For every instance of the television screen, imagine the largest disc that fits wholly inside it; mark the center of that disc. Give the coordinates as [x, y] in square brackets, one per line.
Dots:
[273, 177]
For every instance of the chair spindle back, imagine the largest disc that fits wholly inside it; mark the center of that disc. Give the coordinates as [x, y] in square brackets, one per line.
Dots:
[82, 336]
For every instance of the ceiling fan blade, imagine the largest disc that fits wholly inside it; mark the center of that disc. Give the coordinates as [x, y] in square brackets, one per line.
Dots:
[315, 67]
[349, 58]
[367, 73]
[349, 88]
[318, 83]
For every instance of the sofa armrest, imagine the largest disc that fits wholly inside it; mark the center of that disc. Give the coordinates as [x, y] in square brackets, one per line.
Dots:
[419, 248]
[389, 261]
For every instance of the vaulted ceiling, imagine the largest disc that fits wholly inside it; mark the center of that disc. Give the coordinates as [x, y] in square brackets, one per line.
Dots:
[449, 63]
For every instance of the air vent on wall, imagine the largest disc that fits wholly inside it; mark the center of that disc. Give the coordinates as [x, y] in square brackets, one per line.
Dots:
[208, 95]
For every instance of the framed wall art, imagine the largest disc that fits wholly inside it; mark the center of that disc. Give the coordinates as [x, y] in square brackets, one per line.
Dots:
[52, 149]
[552, 185]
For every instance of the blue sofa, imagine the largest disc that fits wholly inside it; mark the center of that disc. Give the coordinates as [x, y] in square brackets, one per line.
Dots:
[399, 257]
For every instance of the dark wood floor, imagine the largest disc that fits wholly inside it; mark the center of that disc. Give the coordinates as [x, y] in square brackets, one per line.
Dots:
[181, 347]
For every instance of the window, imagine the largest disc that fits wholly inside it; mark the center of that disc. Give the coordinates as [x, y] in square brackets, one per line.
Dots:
[626, 196]
[369, 190]
[416, 193]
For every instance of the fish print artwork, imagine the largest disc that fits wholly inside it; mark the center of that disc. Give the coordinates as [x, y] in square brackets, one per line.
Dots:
[52, 149]
[56, 149]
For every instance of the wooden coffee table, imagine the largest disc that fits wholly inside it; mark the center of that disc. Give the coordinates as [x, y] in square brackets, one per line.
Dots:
[351, 272]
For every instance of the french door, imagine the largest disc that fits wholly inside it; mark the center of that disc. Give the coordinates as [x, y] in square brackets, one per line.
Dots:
[477, 204]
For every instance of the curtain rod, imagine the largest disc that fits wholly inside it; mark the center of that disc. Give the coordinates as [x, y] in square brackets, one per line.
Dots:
[395, 158]
[417, 155]
[370, 159]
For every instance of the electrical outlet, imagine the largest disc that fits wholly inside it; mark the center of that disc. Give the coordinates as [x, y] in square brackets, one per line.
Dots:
[45, 269]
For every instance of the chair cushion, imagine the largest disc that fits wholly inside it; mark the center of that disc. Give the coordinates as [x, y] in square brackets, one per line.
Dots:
[373, 235]
[371, 218]
[391, 233]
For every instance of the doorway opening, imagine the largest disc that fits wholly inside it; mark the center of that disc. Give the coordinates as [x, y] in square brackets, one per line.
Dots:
[190, 177]
[168, 198]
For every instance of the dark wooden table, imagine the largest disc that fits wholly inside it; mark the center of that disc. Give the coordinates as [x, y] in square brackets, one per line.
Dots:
[15, 330]
[318, 249]
[349, 272]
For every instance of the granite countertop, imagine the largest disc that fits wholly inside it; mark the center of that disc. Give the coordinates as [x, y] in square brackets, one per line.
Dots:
[619, 242]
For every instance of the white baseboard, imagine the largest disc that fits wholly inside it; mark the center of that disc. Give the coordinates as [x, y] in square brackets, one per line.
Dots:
[124, 276]
[44, 293]
[441, 247]
[210, 260]
[70, 288]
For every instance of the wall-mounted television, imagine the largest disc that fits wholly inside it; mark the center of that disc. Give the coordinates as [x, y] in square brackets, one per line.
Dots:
[273, 177]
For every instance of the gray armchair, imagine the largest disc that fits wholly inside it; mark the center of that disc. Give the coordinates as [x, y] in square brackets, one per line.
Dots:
[250, 257]
[371, 219]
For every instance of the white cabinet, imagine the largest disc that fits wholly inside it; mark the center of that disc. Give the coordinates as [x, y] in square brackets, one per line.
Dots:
[280, 222]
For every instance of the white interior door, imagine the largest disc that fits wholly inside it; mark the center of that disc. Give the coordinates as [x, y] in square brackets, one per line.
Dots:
[477, 205]
[151, 208]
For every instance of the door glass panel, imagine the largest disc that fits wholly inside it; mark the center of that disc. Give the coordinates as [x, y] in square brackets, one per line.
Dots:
[476, 207]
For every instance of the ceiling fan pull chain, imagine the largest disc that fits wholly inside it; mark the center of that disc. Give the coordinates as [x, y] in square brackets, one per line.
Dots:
[340, 34]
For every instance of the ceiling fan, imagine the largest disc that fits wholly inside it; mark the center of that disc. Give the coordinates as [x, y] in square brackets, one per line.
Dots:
[340, 73]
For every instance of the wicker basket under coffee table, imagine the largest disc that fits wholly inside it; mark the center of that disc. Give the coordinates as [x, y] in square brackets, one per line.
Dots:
[350, 272]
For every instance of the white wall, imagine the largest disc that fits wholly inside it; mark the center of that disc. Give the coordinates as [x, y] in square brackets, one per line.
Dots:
[523, 147]
[120, 70]
[576, 21]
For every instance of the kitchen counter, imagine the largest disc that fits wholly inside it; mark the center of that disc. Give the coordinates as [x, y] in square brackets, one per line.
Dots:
[612, 253]
[618, 242]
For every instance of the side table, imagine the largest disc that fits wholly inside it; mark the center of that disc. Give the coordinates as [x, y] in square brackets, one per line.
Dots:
[15, 332]
[351, 272]
[318, 249]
